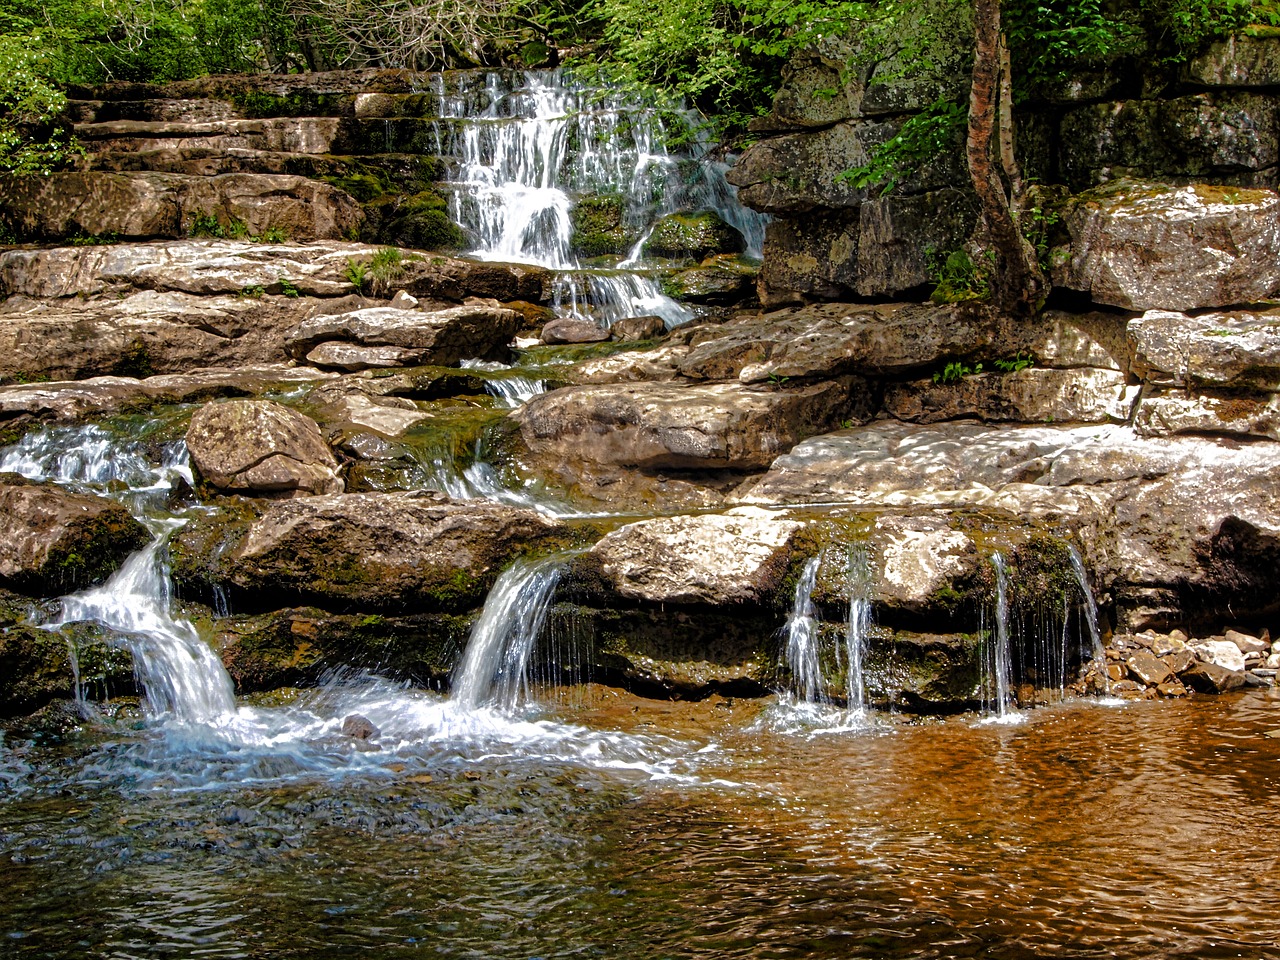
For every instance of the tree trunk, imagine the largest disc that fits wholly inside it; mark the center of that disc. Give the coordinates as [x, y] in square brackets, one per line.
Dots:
[1017, 285]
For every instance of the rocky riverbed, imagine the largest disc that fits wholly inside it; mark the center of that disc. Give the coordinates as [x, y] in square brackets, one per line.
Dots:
[376, 431]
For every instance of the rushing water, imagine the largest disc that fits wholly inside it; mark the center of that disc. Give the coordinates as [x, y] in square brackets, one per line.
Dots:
[1087, 831]
[524, 148]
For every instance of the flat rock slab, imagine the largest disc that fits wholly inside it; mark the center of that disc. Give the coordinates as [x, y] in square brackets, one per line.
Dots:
[147, 332]
[410, 551]
[1024, 396]
[1145, 246]
[714, 559]
[655, 425]
[830, 339]
[145, 205]
[54, 541]
[444, 337]
[73, 400]
[1240, 349]
[261, 447]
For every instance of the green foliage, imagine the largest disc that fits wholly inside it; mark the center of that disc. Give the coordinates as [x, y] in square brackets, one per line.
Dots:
[957, 277]
[32, 139]
[1047, 38]
[922, 138]
[94, 239]
[210, 226]
[954, 371]
[287, 287]
[1015, 363]
[357, 273]
[253, 293]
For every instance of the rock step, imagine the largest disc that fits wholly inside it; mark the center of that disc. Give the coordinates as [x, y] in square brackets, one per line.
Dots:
[300, 135]
[245, 107]
[210, 161]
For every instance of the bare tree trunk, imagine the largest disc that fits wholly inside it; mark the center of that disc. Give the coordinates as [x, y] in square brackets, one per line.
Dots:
[1018, 285]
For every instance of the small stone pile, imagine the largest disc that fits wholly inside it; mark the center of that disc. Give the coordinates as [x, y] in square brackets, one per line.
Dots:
[1148, 665]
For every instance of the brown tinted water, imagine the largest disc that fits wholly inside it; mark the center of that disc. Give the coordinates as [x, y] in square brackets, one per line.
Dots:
[1145, 830]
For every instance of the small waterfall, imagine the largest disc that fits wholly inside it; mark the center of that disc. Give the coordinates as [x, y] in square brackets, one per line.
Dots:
[801, 631]
[1090, 605]
[999, 657]
[182, 676]
[525, 147]
[509, 390]
[493, 669]
[858, 630]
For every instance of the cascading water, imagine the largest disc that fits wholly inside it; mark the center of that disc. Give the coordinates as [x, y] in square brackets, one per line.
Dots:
[858, 629]
[998, 659]
[525, 147]
[801, 632]
[510, 390]
[493, 670]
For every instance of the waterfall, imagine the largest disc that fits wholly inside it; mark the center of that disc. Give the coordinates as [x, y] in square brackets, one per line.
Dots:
[524, 147]
[182, 676]
[801, 631]
[510, 390]
[493, 669]
[858, 629]
[1096, 650]
[999, 658]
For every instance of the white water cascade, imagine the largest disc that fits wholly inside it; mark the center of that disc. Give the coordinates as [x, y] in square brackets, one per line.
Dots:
[524, 147]
[801, 632]
[998, 661]
[493, 669]
[858, 629]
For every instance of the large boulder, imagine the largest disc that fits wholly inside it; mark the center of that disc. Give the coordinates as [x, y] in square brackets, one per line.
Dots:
[703, 426]
[831, 339]
[408, 552]
[152, 205]
[1238, 350]
[1145, 246]
[443, 336]
[1237, 61]
[692, 236]
[1180, 529]
[708, 559]
[141, 334]
[260, 447]
[54, 541]
[814, 256]
[898, 235]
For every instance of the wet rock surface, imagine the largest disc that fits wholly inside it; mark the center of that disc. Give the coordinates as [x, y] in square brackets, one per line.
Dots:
[54, 541]
[260, 447]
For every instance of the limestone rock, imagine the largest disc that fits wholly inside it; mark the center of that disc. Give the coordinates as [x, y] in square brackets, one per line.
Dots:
[692, 236]
[1240, 349]
[632, 329]
[811, 256]
[1149, 246]
[260, 447]
[1026, 396]
[657, 425]
[388, 416]
[570, 330]
[153, 205]
[374, 551]
[1238, 61]
[1169, 414]
[1148, 669]
[818, 87]
[443, 337]
[919, 558]
[895, 235]
[711, 559]
[1246, 643]
[799, 172]
[1211, 678]
[1179, 661]
[831, 339]
[55, 541]
[351, 357]
[140, 335]
[1223, 653]
[1210, 136]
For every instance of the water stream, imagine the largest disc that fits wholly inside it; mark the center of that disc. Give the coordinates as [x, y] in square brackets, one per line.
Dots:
[524, 148]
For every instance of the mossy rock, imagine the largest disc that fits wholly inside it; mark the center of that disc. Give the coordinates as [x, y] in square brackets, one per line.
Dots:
[417, 221]
[692, 236]
[297, 646]
[599, 227]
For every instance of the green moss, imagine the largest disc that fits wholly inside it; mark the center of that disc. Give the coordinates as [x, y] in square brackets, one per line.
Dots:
[599, 228]
[364, 187]
[134, 361]
[692, 236]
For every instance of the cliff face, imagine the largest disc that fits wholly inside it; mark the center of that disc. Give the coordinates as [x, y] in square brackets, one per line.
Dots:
[1214, 120]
